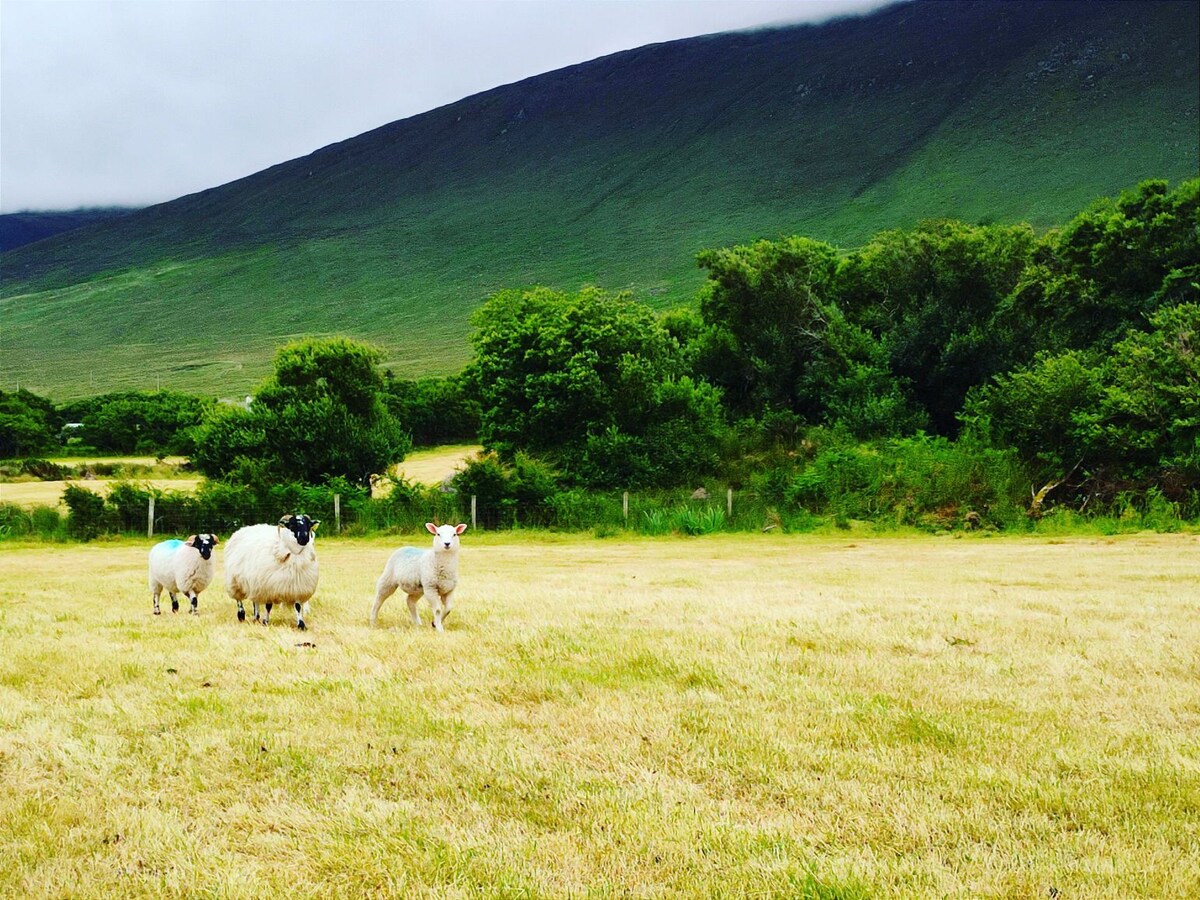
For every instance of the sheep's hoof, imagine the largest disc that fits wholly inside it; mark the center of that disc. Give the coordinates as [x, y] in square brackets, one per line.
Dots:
[241, 615]
[158, 612]
[265, 623]
[301, 625]
[174, 606]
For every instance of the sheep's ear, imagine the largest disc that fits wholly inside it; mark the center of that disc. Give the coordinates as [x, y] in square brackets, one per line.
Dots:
[216, 540]
[431, 528]
[285, 520]
[460, 528]
[191, 540]
[314, 525]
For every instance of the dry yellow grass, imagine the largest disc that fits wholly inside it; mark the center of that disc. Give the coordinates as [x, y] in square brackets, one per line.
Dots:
[738, 716]
[49, 493]
[431, 464]
[81, 462]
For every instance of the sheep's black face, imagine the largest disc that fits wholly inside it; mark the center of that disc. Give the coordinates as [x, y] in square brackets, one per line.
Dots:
[204, 544]
[301, 527]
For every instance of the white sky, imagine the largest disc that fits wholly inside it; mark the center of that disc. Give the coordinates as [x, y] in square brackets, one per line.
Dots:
[131, 102]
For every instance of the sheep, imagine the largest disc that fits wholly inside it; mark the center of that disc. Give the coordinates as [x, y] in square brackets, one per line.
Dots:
[272, 564]
[182, 566]
[432, 572]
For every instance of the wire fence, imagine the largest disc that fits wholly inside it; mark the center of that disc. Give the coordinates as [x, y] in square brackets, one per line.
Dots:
[150, 513]
[658, 513]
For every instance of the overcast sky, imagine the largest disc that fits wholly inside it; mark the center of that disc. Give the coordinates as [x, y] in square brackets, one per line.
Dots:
[140, 101]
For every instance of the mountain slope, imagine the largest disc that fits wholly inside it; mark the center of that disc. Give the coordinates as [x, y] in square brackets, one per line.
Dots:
[21, 228]
[615, 172]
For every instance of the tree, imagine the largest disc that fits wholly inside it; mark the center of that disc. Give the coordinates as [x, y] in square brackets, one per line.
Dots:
[434, 410]
[930, 295]
[1042, 411]
[778, 341]
[26, 424]
[593, 383]
[321, 415]
[158, 422]
[1128, 419]
[1149, 417]
[766, 305]
[1110, 268]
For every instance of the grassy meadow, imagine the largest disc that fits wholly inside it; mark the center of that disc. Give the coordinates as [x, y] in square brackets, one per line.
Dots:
[165, 474]
[426, 465]
[734, 716]
[49, 493]
[429, 465]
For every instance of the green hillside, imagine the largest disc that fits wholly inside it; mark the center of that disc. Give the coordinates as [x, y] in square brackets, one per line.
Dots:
[615, 172]
[20, 228]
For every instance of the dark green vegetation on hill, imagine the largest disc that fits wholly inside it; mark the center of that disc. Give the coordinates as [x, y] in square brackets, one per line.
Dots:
[21, 228]
[615, 173]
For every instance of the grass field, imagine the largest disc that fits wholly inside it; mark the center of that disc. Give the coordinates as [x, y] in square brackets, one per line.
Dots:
[83, 462]
[741, 716]
[49, 493]
[429, 465]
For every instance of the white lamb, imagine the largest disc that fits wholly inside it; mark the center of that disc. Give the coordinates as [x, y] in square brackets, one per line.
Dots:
[432, 573]
[184, 567]
[270, 564]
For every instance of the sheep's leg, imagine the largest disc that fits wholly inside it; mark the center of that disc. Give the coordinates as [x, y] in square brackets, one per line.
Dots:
[157, 592]
[174, 602]
[256, 618]
[300, 612]
[447, 605]
[413, 599]
[435, 603]
[383, 589]
[266, 620]
[241, 612]
[195, 604]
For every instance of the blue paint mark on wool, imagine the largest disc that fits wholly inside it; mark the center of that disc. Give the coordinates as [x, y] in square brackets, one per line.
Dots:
[410, 551]
[172, 544]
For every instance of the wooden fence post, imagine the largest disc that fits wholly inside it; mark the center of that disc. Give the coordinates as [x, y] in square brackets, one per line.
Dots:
[150, 517]
[337, 513]
[473, 521]
[625, 506]
[729, 502]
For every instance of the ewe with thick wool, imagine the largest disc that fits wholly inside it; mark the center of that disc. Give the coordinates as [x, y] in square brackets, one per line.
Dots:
[432, 573]
[269, 564]
[182, 567]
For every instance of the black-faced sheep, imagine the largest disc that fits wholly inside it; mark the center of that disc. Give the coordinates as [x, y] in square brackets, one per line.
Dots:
[182, 567]
[270, 564]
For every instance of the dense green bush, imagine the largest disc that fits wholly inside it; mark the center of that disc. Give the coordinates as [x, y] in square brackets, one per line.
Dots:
[89, 517]
[41, 469]
[43, 522]
[138, 422]
[923, 481]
